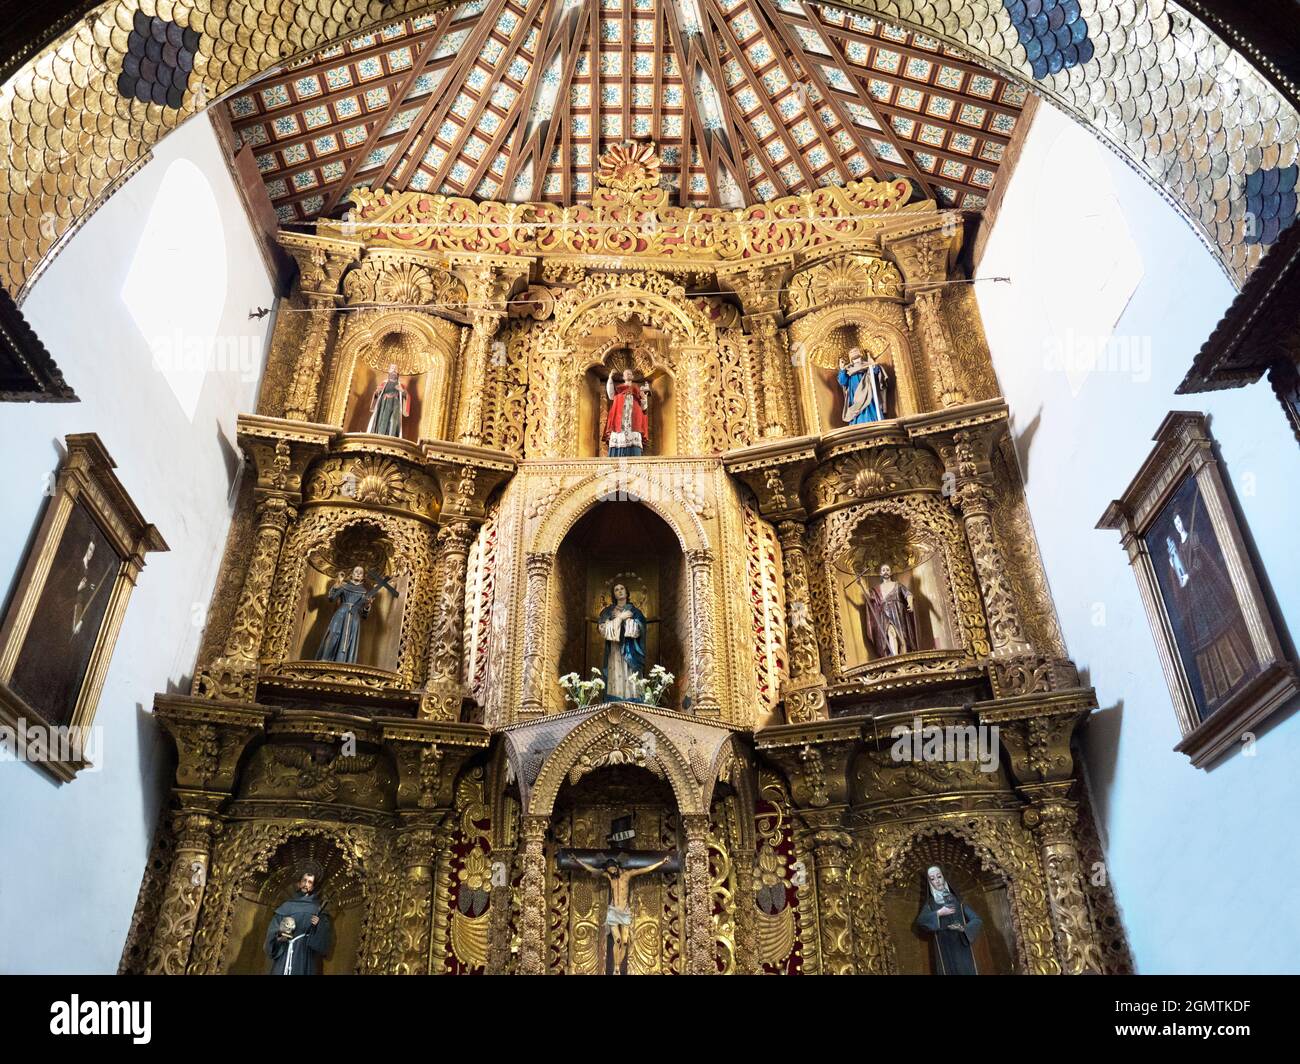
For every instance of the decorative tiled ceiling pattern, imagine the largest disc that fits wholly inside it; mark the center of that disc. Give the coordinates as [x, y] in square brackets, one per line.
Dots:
[516, 99]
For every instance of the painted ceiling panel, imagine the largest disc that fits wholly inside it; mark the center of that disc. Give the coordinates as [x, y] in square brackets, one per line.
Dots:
[747, 100]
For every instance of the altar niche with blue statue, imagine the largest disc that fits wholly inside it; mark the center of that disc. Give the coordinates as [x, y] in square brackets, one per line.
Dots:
[623, 628]
[866, 386]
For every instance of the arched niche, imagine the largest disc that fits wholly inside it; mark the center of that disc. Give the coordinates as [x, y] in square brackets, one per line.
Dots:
[982, 887]
[921, 540]
[260, 891]
[916, 561]
[424, 349]
[665, 337]
[647, 357]
[539, 625]
[328, 539]
[622, 543]
[825, 337]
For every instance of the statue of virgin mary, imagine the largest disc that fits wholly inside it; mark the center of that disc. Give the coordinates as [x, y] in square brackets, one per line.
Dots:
[623, 627]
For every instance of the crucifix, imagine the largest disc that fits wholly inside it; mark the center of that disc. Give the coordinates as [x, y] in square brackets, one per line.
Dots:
[619, 865]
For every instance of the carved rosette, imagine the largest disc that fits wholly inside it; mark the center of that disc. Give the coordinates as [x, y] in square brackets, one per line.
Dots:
[539, 570]
[699, 902]
[805, 693]
[183, 897]
[703, 613]
[532, 903]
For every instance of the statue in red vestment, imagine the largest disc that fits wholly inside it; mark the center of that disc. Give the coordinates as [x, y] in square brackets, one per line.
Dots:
[627, 429]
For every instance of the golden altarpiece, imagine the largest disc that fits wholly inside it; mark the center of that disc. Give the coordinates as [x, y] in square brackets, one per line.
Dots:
[434, 784]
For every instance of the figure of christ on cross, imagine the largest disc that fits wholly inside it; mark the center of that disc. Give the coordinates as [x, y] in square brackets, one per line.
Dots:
[619, 868]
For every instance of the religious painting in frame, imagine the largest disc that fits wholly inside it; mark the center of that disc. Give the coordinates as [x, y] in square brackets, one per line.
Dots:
[61, 624]
[1218, 645]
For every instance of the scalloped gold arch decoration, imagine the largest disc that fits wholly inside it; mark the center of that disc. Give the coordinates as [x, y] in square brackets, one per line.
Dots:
[650, 487]
[615, 728]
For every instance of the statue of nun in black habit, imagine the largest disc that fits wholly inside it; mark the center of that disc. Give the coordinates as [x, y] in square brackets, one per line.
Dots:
[951, 923]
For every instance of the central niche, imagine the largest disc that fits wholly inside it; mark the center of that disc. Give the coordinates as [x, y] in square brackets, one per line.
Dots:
[609, 352]
[893, 592]
[623, 544]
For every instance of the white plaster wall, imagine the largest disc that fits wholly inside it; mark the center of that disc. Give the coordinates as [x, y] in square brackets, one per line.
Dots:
[71, 856]
[1197, 858]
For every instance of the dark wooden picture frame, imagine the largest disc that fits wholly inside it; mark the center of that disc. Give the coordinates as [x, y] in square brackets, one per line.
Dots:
[1218, 645]
[62, 622]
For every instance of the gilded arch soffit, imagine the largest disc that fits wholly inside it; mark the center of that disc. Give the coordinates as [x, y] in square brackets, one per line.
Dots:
[652, 488]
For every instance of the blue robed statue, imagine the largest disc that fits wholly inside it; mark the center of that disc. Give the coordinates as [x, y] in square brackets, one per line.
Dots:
[865, 382]
[343, 639]
[623, 627]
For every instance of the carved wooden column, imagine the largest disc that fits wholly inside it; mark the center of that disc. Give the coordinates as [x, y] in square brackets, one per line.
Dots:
[967, 460]
[173, 936]
[923, 259]
[831, 850]
[321, 263]
[699, 902]
[769, 341]
[746, 932]
[1053, 818]
[703, 617]
[443, 692]
[280, 454]
[532, 890]
[1035, 732]
[499, 908]
[805, 690]
[534, 634]
[484, 327]
[417, 851]
[234, 674]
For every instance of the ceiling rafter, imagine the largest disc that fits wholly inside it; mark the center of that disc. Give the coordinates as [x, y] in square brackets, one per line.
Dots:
[343, 117]
[559, 36]
[400, 149]
[701, 51]
[450, 85]
[375, 128]
[470, 123]
[885, 128]
[786, 56]
[754, 78]
[812, 69]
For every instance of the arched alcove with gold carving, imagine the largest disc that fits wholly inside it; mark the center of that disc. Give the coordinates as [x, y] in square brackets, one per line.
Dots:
[821, 342]
[926, 551]
[616, 321]
[422, 347]
[622, 543]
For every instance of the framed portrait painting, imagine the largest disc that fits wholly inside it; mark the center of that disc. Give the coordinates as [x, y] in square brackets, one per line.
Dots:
[61, 623]
[1218, 645]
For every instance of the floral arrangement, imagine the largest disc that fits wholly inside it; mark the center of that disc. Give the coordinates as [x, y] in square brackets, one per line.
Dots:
[653, 686]
[582, 693]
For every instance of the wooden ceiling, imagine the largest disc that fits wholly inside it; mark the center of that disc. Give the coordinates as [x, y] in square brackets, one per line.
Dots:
[747, 100]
